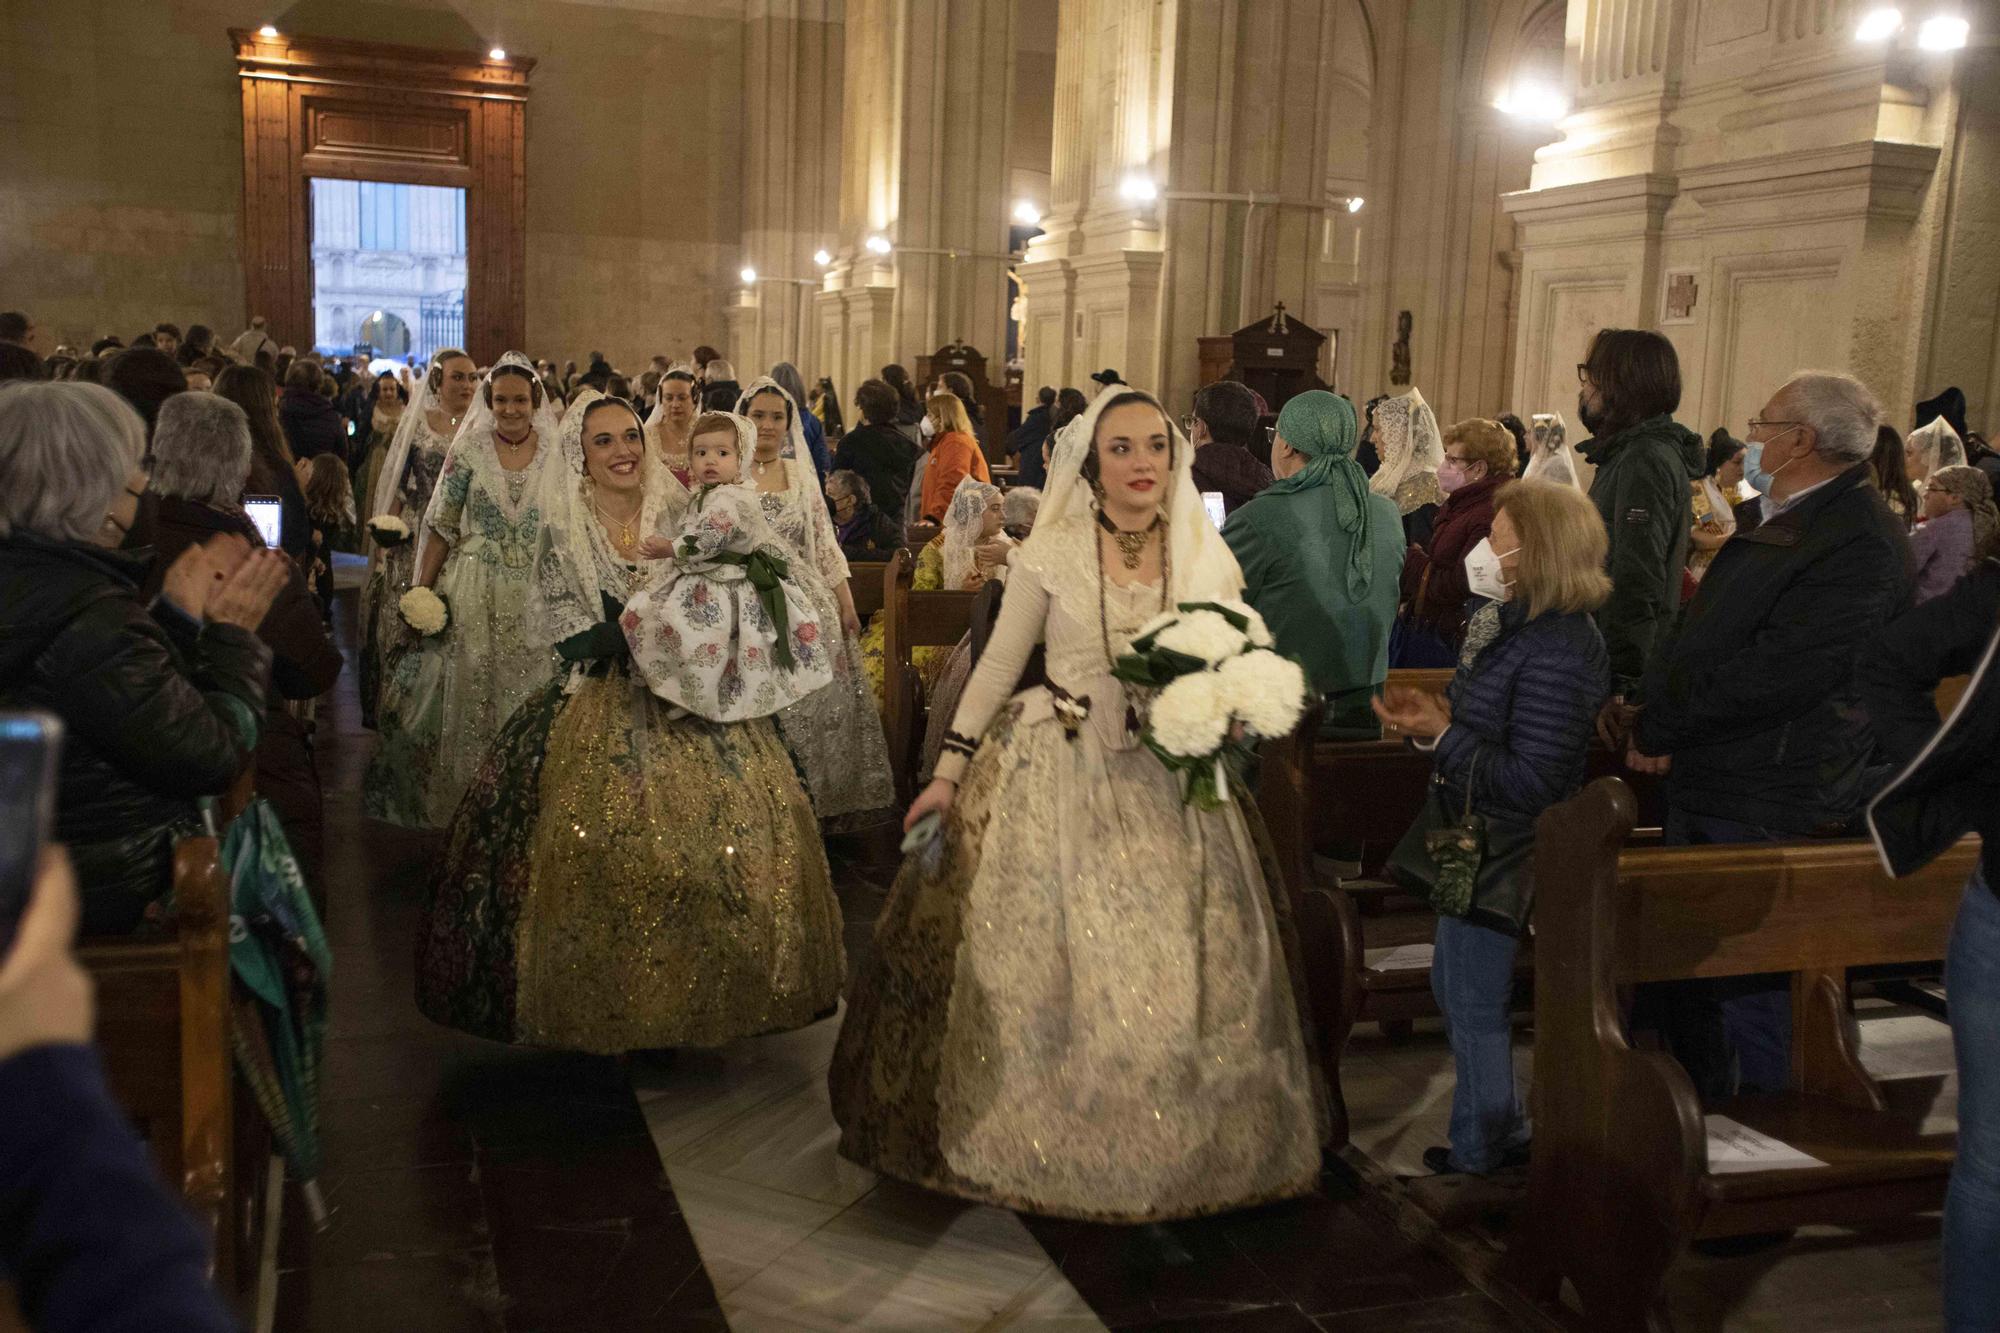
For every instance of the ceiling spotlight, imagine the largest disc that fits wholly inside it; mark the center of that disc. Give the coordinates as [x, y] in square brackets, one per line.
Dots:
[1943, 33]
[1354, 204]
[268, 30]
[822, 258]
[1879, 25]
[1534, 102]
[749, 276]
[1027, 214]
[878, 245]
[1138, 189]
[497, 53]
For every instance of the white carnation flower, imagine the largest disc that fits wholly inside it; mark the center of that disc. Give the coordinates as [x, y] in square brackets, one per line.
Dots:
[1189, 718]
[1264, 691]
[424, 610]
[388, 530]
[1204, 635]
[1257, 631]
[1158, 622]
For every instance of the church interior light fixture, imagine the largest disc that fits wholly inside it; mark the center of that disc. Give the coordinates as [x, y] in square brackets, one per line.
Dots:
[1354, 204]
[822, 258]
[1027, 214]
[1531, 101]
[749, 276]
[1138, 188]
[878, 245]
[1943, 32]
[497, 53]
[268, 30]
[1879, 24]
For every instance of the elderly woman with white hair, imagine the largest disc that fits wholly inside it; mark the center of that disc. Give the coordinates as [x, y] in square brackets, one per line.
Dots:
[159, 708]
[201, 456]
[1752, 708]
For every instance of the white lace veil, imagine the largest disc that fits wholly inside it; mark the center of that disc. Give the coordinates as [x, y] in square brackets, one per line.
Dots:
[795, 443]
[415, 414]
[1938, 445]
[1549, 456]
[961, 527]
[476, 432]
[1204, 568]
[1407, 440]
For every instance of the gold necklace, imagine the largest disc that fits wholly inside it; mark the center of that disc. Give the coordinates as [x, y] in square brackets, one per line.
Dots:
[627, 535]
[1131, 545]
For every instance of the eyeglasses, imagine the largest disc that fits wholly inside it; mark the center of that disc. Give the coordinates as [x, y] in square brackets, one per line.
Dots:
[1187, 423]
[1582, 373]
[1758, 423]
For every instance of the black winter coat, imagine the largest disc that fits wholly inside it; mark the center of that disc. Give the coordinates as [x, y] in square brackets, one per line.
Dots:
[1951, 783]
[1755, 693]
[1522, 715]
[884, 458]
[1641, 493]
[147, 730]
[312, 424]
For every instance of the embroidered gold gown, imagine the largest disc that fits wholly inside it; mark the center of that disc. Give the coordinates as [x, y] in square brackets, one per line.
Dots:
[1082, 1005]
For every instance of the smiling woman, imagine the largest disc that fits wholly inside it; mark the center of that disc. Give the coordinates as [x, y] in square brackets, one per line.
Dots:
[445, 698]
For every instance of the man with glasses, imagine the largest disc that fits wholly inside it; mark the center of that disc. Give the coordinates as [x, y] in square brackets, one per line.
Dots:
[1223, 430]
[1752, 707]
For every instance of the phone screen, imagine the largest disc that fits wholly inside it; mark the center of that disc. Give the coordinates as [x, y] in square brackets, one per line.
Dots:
[268, 513]
[1217, 512]
[30, 744]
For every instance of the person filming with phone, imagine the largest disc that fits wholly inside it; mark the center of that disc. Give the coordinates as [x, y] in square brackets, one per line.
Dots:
[161, 702]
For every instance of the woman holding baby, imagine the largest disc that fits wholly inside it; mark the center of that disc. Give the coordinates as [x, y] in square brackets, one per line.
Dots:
[639, 865]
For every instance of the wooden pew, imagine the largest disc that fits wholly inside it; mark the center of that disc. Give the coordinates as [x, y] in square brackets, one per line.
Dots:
[1620, 1181]
[864, 584]
[913, 620]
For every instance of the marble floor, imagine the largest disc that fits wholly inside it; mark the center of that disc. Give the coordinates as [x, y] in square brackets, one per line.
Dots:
[478, 1187]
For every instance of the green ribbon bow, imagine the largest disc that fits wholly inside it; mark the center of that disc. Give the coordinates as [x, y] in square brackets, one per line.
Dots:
[766, 573]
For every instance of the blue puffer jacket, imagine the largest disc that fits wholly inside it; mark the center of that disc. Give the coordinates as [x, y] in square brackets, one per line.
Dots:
[1524, 710]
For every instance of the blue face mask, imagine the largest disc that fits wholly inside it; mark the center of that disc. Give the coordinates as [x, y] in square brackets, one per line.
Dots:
[1753, 465]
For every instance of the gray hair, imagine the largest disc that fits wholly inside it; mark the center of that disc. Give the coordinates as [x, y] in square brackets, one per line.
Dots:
[1020, 506]
[856, 484]
[66, 451]
[1842, 411]
[719, 371]
[201, 449]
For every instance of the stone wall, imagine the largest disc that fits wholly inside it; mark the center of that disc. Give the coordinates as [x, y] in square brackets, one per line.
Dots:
[121, 161]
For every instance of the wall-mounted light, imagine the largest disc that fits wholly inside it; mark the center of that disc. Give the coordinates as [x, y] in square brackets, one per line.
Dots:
[497, 53]
[878, 244]
[1536, 102]
[822, 258]
[1138, 188]
[1943, 32]
[1027, 214]
[268, 30]
[1879, 24]
[1354, 204]
[749, 276]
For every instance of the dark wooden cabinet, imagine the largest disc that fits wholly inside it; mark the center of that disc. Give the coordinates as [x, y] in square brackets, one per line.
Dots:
[1278, 356]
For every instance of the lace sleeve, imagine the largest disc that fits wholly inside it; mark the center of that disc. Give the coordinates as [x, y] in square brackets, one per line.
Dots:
[1023, 615]
[447, 505]
[827, 557]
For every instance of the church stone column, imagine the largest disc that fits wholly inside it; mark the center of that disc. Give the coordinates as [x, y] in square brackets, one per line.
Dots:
[793, 62]
[924, 169]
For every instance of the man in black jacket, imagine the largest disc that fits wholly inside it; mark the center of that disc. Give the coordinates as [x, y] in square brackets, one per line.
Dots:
[1024, 445]
[882, 454]
[312, 424]
[1630, 386]
[1951, 787]
[1752, 707]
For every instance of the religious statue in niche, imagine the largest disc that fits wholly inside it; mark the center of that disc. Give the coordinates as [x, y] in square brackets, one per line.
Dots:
[1399, 354]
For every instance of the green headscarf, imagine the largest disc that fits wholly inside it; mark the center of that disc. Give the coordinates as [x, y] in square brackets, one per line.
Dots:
[1320, 425]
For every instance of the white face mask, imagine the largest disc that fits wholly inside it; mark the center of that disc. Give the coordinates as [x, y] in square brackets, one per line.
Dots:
[925, 428]
[1482, 571]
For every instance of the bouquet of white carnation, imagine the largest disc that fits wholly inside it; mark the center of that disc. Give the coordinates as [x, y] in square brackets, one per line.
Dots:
[424, 611]
[1215, 686]
[388, 530]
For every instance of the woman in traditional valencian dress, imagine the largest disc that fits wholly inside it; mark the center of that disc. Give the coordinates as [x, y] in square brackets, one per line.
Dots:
[835, 733]
[448, 696]
[1080, 1002]
[631, 872]
[668, 429]
[405, 476]
[969, 549]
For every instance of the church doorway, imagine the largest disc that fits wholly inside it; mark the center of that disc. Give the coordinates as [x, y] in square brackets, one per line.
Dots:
[388, 266]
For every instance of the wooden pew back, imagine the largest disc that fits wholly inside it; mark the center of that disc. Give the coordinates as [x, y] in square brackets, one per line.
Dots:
[913, 620]
[864, 584]
[1620, 1179]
